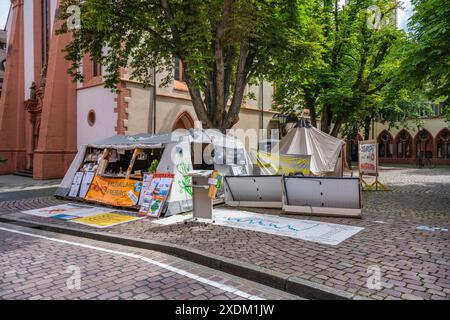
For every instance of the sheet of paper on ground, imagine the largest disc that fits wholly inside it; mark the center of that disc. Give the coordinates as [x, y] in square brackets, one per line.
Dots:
[173, 219]
[105, 220]
[77, 210]
[316, 231]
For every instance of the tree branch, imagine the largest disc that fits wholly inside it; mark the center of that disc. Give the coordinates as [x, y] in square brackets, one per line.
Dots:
[377, 88]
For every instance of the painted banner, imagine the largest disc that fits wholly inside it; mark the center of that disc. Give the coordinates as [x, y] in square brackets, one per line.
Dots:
[113, 191]
[368, 157]
[274, 163]
[309, 230]
[105, 220]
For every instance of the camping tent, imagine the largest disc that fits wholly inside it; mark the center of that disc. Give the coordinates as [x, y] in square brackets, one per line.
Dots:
[325, 150]
[176, 158]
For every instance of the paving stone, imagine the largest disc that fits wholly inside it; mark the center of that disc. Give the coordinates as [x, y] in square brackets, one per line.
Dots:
[406, 256]
[95, 283]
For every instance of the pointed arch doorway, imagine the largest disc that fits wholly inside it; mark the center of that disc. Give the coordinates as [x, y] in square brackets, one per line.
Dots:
[183, 121]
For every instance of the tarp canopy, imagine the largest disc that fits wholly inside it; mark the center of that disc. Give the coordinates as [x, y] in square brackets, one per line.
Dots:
[175, 159]
[325, 150]
[144, 140]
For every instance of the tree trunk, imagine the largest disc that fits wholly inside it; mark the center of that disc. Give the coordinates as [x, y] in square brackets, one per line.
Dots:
[310, 102]
[367, 122]
[325, 121]
[337, 127]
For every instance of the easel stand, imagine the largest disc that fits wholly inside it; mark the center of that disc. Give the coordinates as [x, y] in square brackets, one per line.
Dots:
[374, 186]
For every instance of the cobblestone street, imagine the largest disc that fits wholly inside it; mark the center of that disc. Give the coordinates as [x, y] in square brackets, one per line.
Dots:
[406, 236]
[42, 265]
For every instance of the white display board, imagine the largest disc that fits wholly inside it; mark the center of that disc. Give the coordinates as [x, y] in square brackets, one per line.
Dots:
[86, 183]
[309, 230]
[76, 183]
[253, 191]
[368, 157]
[322, 196]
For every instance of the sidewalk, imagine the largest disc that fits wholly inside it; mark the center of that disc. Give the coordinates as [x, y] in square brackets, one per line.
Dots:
[11, 183]
[414, 263]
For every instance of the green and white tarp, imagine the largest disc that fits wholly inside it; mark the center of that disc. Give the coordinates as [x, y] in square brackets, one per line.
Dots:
[175, 159]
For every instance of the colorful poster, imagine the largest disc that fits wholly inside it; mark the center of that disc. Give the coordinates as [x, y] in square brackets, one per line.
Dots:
[156, 206]
[77, 210]
[368, 157]
[117, 192]
[146, 182]
[156, 194]
[64, 217]
[105, 220]
[76, 184]
[86, 183]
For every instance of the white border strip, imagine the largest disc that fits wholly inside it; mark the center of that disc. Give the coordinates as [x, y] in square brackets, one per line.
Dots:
[145, 259]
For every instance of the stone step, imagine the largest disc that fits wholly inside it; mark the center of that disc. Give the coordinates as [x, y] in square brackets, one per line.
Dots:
[24, 173]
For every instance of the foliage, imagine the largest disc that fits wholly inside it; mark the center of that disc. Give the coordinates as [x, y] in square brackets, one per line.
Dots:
[428, 65]
[223, 45]
[357, 78]
[153, 166]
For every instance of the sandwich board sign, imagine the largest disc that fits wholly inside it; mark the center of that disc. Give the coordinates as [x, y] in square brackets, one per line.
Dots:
[368, 157]
[368, 164]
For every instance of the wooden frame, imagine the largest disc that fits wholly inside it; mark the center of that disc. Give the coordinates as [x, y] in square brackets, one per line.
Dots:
[376, 184]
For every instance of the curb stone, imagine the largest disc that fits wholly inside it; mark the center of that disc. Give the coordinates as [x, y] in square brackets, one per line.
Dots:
[291, 284]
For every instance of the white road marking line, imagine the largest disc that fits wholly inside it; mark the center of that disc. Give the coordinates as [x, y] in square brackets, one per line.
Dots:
[16, 189]
[145, 259]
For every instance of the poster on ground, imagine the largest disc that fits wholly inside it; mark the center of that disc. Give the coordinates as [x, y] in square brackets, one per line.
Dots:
[309, 230]
[105, 220]
[66, 210]
[113, 191]
[146, 184]
[368, 157]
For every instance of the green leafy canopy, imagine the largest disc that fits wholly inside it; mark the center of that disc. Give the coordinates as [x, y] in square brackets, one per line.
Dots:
[223, 44]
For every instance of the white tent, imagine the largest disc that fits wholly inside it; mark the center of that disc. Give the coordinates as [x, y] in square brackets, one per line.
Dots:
[176, 158]
[325, 150]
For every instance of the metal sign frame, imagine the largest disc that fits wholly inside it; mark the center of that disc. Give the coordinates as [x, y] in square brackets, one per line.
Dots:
[233, 201]
[321, 210]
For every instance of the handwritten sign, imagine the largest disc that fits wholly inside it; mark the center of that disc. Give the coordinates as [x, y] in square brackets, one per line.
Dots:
[117, 192]
[368, 157]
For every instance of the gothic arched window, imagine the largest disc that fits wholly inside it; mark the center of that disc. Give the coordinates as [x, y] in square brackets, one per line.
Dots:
[443, 144]
[385, 145]
[424, 144]
[404, 145]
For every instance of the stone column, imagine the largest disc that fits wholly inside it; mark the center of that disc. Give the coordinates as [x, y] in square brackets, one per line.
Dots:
[12, 113]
